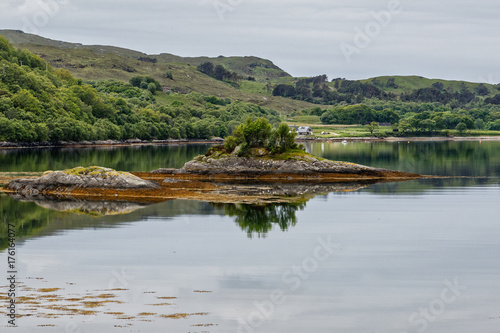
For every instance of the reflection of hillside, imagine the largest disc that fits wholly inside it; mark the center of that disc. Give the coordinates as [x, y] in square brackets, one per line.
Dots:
[129, 158]
[33, 220]
[422, 186]
[29, 219]
[260, 219]
[448, 158]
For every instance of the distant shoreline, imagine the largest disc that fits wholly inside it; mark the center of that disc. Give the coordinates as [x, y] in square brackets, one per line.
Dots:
[106, 143]
[401, 139]
[117, 143]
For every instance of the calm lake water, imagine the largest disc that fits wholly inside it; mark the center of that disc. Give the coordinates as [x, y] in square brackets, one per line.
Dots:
[418, 256]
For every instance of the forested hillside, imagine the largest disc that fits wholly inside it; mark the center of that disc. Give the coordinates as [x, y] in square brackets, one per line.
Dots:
[75, 92]
[176, 74]
[40, 103]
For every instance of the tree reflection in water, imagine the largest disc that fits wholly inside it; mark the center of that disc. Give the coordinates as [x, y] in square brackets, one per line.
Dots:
[260, 219]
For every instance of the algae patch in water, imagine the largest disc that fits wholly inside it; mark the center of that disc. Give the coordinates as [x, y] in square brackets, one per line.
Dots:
[183, 315]
[59, 304]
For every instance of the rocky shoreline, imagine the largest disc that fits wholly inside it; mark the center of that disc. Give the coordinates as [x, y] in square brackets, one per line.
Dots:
[132, 142]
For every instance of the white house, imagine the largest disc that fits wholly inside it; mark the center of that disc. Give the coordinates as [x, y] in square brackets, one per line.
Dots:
[305, 130]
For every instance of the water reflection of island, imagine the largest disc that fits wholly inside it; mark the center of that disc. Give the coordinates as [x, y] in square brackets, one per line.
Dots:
[44, 217]
[260, 219]
[256, 208]
[84, 207]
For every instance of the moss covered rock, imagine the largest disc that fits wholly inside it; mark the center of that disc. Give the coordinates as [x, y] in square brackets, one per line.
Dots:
[80, 177]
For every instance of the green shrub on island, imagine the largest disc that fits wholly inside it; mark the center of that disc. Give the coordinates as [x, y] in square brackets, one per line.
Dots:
[259, 133]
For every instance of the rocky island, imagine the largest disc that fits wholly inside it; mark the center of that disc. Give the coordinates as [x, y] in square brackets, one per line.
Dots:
[258, 164]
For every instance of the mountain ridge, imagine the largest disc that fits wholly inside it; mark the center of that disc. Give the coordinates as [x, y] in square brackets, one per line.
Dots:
[95, 63]
[20, 38]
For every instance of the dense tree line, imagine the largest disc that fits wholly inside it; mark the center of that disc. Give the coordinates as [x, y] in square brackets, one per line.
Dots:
[318, 90]
[428, 122]
[432, 94]
[429, 117]
[413, 117]
[218, 72]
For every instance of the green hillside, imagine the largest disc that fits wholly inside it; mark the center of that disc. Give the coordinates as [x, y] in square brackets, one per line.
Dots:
[261, 69]
[96, 62]
[257, 83]
[69, 91]
[39, 103]
[407, 83]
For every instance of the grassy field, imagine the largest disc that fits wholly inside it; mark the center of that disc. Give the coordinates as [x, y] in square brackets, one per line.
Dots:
[333, 131]
[254, 87]
[354, 131]
[480, 133]
[349, 131]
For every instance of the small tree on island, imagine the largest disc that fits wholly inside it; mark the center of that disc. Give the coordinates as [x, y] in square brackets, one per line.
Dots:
[259, 133]
[254, 133]
[282, 139]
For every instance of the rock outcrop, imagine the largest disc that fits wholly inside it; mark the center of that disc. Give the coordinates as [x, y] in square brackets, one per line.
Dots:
[92, 177]
[304, 164]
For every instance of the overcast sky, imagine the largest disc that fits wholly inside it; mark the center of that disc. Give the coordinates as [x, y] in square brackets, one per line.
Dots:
[355, 39]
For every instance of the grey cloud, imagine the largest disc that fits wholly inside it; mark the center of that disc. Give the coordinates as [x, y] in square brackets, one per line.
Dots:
[447, 39]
